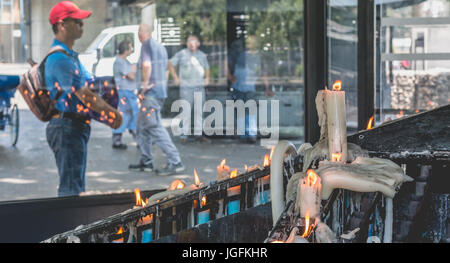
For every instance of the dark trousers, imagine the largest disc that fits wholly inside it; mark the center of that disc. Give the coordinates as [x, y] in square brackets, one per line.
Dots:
[68, 140]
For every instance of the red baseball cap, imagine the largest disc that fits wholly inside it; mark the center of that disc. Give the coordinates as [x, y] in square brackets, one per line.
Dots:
[66, 9]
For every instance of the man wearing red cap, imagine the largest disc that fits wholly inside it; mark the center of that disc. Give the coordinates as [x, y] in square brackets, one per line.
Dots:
[69, 130]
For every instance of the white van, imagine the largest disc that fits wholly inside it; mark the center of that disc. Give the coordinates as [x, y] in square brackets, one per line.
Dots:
[99, 57]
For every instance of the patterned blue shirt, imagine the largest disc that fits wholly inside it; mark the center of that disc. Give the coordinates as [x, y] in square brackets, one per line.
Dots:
[67, 74]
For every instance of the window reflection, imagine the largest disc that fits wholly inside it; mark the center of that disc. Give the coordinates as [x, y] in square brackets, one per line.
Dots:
[342, 54]
[256, 43]
[414, 68]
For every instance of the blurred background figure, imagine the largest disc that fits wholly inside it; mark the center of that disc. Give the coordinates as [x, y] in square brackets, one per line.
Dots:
[125, 79]
[248, 68]
[193, 77]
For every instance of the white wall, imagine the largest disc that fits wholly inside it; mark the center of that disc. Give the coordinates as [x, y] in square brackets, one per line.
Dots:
[41, 32]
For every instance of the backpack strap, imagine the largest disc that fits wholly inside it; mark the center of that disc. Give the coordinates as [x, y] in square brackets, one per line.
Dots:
[53, 50]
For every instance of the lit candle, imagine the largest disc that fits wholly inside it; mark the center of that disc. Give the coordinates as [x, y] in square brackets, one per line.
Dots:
[336, 121]
[223, 171]
[177, 187]
[332, 115]
[203, 216]
[232, 193]
[309, 195]
[147, 234]
[119, 232]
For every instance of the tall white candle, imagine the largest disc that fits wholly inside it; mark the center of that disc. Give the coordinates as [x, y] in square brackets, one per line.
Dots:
[336, 119]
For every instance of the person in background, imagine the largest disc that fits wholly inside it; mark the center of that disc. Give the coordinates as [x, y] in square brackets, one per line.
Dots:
[243, 71]
[153, 62]
[69, 129]
[125, 79]
[194, 76]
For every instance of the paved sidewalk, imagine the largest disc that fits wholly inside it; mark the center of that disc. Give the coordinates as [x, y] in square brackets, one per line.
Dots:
[28, 171]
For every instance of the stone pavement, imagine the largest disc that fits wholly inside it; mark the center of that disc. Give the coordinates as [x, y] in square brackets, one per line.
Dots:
[28, 171]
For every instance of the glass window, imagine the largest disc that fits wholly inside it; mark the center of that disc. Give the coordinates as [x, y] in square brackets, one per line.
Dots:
[262, 38]
[342, 54]
[414, 67]
[251, 50]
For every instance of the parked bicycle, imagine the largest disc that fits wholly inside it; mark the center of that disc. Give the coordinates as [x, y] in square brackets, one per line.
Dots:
[9, 112]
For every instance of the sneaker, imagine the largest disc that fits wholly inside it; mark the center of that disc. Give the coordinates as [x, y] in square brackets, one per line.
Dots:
[172, 169]
[141, 167]
[120, 146]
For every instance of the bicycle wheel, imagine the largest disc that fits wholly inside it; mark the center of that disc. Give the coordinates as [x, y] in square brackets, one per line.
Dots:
[13, 125]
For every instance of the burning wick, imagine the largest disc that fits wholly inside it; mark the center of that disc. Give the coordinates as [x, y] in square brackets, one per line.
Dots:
[180, 186]
[119, 232]
[234, 173]
[266, 160]
[203, 202]
[312, 177]
[176, 185]
[203, 216]
[305, 234]
[336, 157]
[139, 201]
[337, 85]
[196, 178]
[223, 170]
[370, 124]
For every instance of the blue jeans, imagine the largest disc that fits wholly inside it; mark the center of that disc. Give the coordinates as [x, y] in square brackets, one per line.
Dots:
[251, 129]
[68, 140]
[129, 107]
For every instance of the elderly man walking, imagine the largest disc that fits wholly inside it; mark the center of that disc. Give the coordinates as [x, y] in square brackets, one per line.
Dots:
[153, 63]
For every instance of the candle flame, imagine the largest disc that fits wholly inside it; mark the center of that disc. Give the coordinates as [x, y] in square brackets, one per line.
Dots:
[222, 163]
[203, 202]
[370, 123]
[305, 234]
[266, 160]
[337, 85]
[120, 232]
[176, 185]
[336, 157]
[234, 173]
[196, 179]
[311, 176]
[271, 152]
[139, 201]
